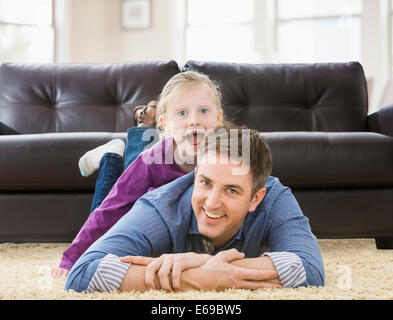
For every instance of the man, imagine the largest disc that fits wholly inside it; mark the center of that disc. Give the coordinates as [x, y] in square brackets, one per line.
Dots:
[226, 225]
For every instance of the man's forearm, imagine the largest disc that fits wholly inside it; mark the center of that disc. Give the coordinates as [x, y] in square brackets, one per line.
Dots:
[259, 263]
[195, 279]
[192, 279]
[288, 266]
[134, 280]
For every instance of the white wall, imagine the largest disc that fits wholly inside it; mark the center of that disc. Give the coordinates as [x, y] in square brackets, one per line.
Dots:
[89, 31]
[95, 33]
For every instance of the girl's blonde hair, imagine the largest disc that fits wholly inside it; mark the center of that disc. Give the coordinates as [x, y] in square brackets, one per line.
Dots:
[179, 82]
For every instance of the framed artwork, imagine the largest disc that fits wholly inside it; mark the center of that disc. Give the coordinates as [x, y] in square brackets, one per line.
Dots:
[135, 14]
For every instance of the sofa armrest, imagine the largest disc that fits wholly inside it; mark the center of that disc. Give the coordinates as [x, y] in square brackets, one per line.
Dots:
[381, 121]
[5, 130]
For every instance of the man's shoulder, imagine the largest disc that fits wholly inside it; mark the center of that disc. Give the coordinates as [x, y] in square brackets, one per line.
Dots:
[171, 191]
[274, 192]
[274, 186]
[172, 202]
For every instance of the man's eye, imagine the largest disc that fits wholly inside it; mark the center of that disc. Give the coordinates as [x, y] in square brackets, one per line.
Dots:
[205, 183]
[232, 191]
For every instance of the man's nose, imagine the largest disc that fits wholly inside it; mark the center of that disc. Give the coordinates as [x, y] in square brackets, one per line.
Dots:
[213, 200]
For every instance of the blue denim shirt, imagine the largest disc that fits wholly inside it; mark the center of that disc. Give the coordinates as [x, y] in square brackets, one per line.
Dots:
[162, 221]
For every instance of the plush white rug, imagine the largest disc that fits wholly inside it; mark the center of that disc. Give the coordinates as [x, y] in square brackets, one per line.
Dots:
[354, 268]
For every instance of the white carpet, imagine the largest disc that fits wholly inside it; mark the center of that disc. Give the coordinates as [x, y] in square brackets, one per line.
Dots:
[355, 269]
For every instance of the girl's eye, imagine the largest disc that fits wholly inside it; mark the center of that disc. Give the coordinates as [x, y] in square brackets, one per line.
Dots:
[182, 113]
[204, 110]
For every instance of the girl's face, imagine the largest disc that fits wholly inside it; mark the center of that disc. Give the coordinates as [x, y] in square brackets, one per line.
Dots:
[189, 114]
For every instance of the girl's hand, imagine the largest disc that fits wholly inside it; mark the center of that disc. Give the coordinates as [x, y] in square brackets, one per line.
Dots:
[58, 273]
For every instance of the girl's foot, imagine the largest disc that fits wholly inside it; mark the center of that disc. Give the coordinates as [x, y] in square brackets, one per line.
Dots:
[90, 161]
[145, 116]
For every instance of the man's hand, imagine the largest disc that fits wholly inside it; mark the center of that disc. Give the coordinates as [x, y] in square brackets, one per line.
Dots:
[168, 267]
[219, 274]
[205, 272]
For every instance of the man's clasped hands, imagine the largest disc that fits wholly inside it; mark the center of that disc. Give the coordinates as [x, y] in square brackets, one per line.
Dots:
[226, 269]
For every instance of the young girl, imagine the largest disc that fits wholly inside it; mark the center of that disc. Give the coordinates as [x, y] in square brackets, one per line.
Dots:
[189, 105]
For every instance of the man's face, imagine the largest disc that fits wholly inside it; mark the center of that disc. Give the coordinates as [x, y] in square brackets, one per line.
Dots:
[222, 199]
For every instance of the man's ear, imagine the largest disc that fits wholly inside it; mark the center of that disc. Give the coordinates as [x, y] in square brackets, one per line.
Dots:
[256, 200]
[195, 172]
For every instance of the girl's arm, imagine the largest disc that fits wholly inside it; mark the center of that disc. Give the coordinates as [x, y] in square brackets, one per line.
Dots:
[132, 184]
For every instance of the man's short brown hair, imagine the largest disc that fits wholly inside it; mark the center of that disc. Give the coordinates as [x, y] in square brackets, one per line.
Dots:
[242, 144]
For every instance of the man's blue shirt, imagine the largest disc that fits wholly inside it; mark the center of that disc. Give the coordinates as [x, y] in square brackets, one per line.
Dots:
[162, 221]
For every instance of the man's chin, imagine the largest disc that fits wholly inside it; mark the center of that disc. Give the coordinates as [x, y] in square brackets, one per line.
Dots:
[206, 231]
[209, 227]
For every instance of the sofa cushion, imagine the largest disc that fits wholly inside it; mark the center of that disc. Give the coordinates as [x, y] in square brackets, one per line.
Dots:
[48, 161]
[305, 160]
[300, 160]
[44, 98]
[291, 97]
[6, 129]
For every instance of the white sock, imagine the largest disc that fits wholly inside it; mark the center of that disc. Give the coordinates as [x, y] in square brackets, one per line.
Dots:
[90, 161]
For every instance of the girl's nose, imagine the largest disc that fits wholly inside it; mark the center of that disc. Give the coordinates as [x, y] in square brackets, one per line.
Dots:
[193, 119]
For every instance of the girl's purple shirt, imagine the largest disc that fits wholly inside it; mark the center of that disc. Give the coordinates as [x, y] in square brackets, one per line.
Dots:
[153, 168]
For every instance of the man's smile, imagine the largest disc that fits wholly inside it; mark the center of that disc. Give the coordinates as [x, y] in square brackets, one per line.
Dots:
[213, 216]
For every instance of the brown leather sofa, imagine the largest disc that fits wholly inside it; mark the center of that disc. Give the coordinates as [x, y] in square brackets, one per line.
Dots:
[337, 159]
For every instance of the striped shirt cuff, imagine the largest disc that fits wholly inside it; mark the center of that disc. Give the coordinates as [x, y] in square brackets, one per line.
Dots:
[109, 274]
[289, 268]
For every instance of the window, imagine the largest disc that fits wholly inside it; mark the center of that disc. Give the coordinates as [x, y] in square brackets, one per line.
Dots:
[26, 31]
[303, 30]
[390, 34]
[318, 31]
[220, 30]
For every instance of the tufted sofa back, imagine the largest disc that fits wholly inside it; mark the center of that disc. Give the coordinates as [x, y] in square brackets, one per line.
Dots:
[44, 98]
[291, 97]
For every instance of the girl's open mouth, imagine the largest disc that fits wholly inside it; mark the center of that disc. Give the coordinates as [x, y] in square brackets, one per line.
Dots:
[195, 137]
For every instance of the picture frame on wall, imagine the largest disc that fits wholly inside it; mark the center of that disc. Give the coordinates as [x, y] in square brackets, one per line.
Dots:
[135, 14]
